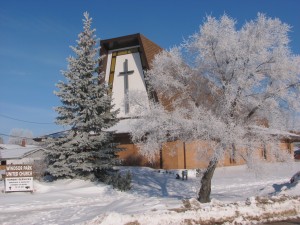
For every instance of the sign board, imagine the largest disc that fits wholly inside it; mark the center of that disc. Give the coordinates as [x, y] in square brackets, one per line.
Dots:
[18, 178]
[18, 184]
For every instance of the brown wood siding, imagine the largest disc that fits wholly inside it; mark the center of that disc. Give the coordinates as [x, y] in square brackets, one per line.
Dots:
[131, 156]
[149, 49]
[173, 155]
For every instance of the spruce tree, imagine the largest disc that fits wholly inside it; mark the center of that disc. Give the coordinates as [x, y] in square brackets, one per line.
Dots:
[86, 151]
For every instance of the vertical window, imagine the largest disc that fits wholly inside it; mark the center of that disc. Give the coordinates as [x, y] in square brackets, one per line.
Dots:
[264, 152]
[232, 155]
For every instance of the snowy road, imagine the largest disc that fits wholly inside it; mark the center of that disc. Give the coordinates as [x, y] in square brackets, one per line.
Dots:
[71, 202]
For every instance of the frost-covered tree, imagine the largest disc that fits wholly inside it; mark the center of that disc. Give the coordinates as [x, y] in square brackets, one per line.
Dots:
[86, 151]
[18, 134]
[226, 86]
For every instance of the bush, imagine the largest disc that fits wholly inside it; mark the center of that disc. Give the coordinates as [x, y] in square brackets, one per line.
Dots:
[39, 169]
[120, 182]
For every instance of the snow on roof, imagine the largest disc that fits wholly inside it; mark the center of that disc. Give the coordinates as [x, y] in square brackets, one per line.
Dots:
[123, 126]
[8, 151]
[57, 134]
[275, 132]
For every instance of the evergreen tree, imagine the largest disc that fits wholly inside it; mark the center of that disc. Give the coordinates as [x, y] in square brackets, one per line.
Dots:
[86, 151]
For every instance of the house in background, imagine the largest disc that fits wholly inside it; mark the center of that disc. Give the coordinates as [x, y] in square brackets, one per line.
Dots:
[22, 154]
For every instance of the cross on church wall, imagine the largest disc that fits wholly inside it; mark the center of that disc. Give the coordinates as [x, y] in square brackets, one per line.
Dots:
[125, 73]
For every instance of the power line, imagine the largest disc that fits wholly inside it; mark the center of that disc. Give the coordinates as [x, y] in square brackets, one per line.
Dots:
[7, 135]
[25, 121]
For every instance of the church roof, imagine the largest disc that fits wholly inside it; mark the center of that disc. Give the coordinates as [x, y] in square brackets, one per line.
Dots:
[148, 49]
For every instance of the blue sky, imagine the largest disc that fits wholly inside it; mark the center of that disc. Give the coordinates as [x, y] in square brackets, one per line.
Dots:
[35, 36]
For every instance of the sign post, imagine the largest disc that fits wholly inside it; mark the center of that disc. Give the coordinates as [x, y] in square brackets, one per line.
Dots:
[18, 178]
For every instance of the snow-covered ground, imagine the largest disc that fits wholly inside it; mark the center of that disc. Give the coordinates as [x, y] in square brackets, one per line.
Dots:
[158, 198]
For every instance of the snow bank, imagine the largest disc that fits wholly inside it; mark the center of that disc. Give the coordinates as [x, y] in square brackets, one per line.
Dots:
[252, 211]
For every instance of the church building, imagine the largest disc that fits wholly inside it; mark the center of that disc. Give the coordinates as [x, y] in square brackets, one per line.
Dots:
[125, 60]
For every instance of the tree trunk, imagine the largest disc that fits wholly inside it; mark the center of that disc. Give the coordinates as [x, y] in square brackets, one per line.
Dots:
[204, 193]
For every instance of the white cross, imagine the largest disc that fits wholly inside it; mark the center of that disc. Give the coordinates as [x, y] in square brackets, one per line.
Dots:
[126, 73]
